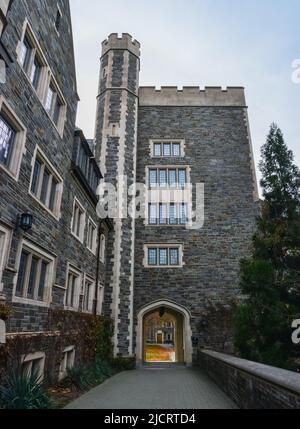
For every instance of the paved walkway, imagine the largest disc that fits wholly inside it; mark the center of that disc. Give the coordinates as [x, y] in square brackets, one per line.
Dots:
[176, 388]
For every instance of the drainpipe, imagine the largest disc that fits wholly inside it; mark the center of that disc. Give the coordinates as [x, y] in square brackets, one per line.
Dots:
[97, 269]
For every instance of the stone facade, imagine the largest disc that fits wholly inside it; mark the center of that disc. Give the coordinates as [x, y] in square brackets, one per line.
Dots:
[60, 145]
[212, 126]
[211, 130]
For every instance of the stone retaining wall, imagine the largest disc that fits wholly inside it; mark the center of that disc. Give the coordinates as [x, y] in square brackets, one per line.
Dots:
[252, 385]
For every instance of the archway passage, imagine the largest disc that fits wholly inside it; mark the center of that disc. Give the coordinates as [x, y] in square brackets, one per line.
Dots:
[163, 336]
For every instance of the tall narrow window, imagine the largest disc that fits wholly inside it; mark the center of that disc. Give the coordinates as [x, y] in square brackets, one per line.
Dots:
[153, 178]
[78, 220]
[163, 257]
[163, 178]
[73, 289]
[35, 73]
[163, 214]
[173, 214]
[7, 138]
[58, 19]
[182, 177]
[152, 214]
[92, 236]
[102, 248]
[89, 294]
[25, 54]
[49, 100]
[152, 256]
[46, 184]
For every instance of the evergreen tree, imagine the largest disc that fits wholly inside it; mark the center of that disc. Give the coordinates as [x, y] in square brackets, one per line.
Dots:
[270, 279]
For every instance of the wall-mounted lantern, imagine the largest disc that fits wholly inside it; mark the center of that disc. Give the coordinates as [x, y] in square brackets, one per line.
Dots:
[26, 221]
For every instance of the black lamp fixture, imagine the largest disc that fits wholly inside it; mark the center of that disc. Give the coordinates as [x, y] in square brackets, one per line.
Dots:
[26, 220]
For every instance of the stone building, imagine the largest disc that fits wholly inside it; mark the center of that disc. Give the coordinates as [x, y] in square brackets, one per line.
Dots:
[130, 269]
[47, 171]
[169, 139]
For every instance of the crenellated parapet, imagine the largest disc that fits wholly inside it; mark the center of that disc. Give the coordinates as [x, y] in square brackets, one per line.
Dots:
[126, 42]
[192, 96]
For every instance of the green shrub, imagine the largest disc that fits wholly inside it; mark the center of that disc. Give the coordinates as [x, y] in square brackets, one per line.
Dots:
[20, 392]
[78, 378]
[123, 364]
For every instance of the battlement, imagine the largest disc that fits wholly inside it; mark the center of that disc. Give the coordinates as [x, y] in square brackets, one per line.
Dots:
[126, 41]
[192, 96]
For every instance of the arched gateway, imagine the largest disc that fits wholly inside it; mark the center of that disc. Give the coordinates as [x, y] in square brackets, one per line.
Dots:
[164, 334]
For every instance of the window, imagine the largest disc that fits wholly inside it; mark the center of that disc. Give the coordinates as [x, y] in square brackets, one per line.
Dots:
[55, 105]
[73, 288]
[78, 221]
[88, 295]
[67, 362]
[5, 236]
[12, 140]
[37, 70]
[46, 184]
[102, 248]
[92, 237]
[167, 148]
[35, 276]
[100, 299]
[169, 214]
[164, 256]
[58, 19]
[172, 178]
[33, 366]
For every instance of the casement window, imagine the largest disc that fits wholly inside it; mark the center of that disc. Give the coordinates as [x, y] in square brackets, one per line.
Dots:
[78, 221]
[168, 256]
[35, 276]
[46, 184]
[73, 288]
[102, 248]
[12, 140]
[171, 178]
[92, 236]
[169, 214]
[35, 66]
[5, 239]
[88, 295]
[67, 362]
[33, 366]
[167, 148]
[55, 105]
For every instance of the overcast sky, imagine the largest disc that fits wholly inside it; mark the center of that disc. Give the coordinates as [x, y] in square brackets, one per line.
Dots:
[201, 43]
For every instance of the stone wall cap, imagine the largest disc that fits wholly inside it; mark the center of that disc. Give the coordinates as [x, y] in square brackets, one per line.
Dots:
[233, 96]
[281, 377]
[125, 41]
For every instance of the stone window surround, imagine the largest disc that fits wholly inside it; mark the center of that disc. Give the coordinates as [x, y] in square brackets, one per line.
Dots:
[5, 243]
[89, 279]
[163, 246]
[48, 281]
[19, 142]
[93, 250]
[56, 213]
[64, 362]
[78, 288]
[102, 248]
[46, 77]
[80, 238]
[38, 356]
[182, 143]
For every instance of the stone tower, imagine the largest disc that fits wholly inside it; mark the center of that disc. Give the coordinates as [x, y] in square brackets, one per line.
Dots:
[116, 148]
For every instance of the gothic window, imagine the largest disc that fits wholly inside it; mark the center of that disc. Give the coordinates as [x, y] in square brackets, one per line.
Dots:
[73, 289]
[34, 280]
[46, 184]
[164, 256]
[167, 149]
[172, 178]
[92, 236]
[58, 19]
[89, 294]
[169, 214]
[7, 138]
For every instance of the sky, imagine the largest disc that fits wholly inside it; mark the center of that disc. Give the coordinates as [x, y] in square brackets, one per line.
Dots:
[201, 43]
